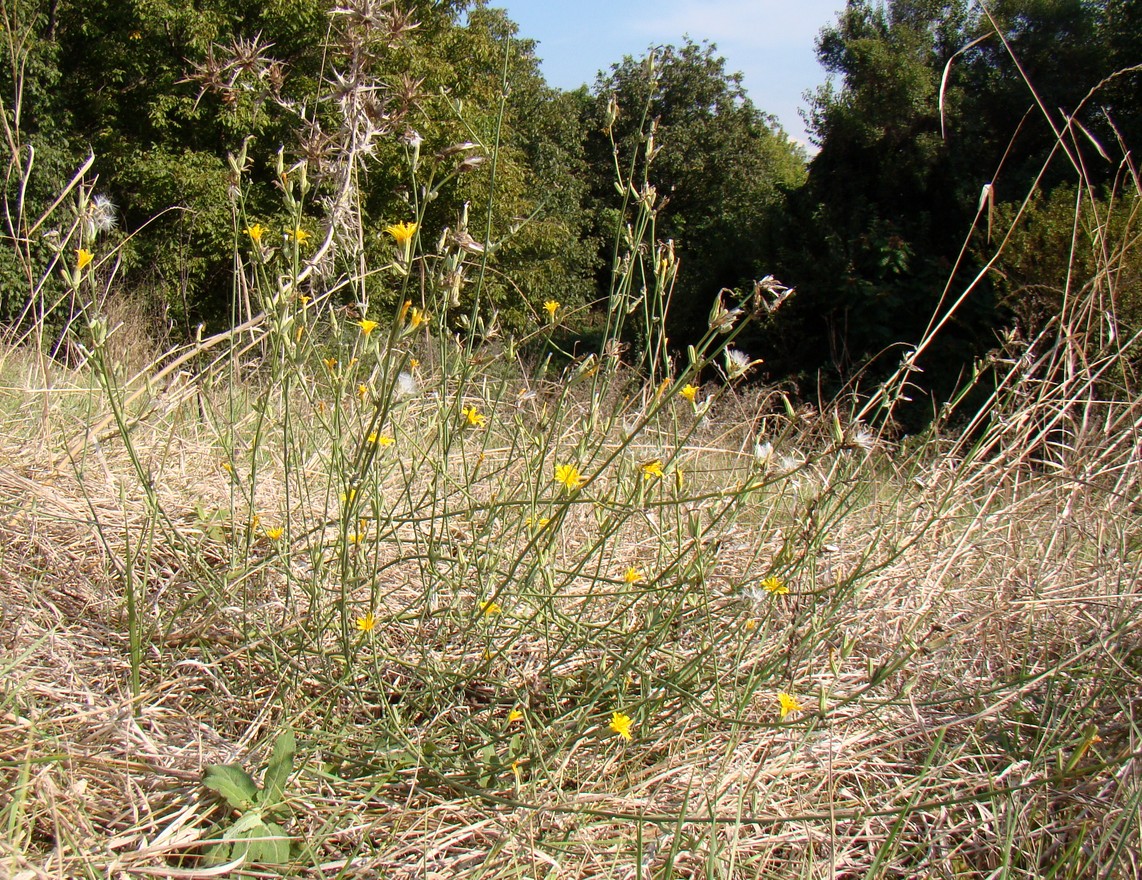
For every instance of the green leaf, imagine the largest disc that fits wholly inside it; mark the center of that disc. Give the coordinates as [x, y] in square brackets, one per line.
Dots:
[278, 770]
[264, 843]
[233, 783]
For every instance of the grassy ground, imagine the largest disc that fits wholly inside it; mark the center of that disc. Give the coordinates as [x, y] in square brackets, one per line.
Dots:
[448, 631]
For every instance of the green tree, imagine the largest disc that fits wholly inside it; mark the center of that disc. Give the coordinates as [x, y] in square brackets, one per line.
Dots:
[720, 169]
[875, 237]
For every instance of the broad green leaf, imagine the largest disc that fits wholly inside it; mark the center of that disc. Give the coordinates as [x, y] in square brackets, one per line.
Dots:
[278, 770]
[233, 783]
[264, 843]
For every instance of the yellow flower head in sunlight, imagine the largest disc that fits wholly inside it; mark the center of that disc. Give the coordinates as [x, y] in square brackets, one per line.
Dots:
[515, 716]
[83, 258]
[330, 364]
[367, 326]
[652, 469]
[474, 417]
[299, 235]
[775, 586]
[690, 392]
[788, 703]
[539, 523]
[381, 439]
[415, 318]
[401, 232]
[490, 608]
[367, 623]
[621, 724]
[569, 476]
[633, 576]
[256, 232]
[552, 307]
[274, 533]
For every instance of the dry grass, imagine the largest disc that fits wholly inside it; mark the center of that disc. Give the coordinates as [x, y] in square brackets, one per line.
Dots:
[955, 644]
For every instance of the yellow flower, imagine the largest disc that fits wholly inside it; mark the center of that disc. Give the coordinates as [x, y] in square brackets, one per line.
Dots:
[415, 318]
[652, 468]
[413, 363]
[490, 608]
[774, 586]
[363, 391]
[552, 307]
[539, 523]
[401, 232]
[367, 623]
[255, 232]
[690, 392]
[83, 258]
[381, 439]
[633, 575]
[750, 625]
[349, 497]
[330, 364]
[569, 476]
[299, 235]
[229, 468]
[662, 386]
[621, 724]
[275, 533]
[788, 704]
[367, 326]
[515, 716]
[474, 417]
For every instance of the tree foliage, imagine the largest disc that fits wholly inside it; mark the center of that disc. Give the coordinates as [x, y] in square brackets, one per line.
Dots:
[720, 171]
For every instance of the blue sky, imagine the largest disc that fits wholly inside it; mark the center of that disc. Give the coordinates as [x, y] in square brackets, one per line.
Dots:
[770, 41]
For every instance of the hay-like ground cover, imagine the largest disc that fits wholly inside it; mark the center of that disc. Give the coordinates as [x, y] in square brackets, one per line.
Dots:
[451, 637]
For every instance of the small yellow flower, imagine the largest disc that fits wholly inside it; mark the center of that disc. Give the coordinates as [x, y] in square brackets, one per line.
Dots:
[621, 724]
[304, 299]
[633, 576]
[348, 497]
[415, 318]
[788, 704]
[652, 469]
[299, 235]
[552, 307]
[490, 608]
[538, 523]
[515, 716]
[381, 439]
[367, 326]
[413, 363]
[83, 258]
[255, 232]
[363, 391]
[367, 623]
[474, 417]
[355, 537]
[569, 476]
[330, 364]
[774, 586]
[275, 533]
[663, 385]
[750, 625]
[229, 468]
[401, 232]
[690, 392]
